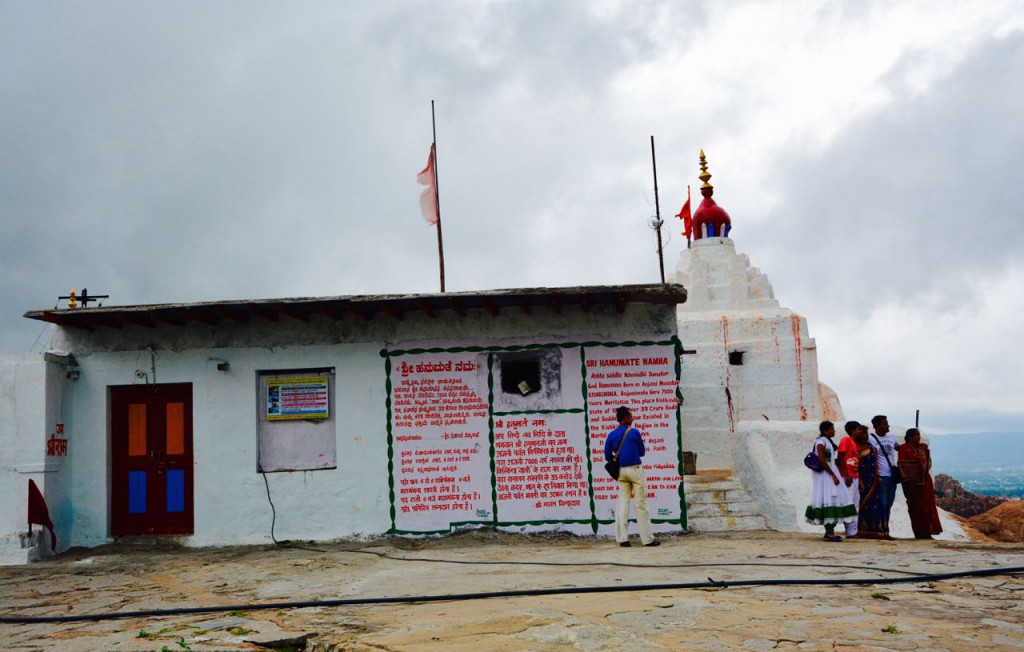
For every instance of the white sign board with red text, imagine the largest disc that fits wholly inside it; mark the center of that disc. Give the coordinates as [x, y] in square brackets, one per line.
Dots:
[468, 444]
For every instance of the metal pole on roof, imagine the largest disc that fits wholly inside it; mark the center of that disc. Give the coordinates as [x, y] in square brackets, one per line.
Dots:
[437, 198]
[656, 225]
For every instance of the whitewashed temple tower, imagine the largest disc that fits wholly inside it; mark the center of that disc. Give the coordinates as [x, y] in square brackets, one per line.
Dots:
[754, 359]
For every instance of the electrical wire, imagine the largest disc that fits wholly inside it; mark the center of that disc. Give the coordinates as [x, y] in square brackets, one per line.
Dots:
[273, 512]
[273, 521]
[455, 597]
[385, 555]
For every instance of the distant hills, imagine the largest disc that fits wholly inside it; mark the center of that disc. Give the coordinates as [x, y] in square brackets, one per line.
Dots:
[987, 463]
[998, 448]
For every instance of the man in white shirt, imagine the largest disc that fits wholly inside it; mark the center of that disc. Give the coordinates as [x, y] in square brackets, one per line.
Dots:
[886, 445]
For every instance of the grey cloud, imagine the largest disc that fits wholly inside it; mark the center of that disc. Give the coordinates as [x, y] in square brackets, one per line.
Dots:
[916, 198]
[217, 151]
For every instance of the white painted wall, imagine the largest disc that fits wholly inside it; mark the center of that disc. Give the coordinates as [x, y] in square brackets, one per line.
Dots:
[30, 393]
[731, 307]
[231, 503]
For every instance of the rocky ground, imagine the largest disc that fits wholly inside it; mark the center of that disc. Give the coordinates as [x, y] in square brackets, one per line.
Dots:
[922, 614]
[1003, 523]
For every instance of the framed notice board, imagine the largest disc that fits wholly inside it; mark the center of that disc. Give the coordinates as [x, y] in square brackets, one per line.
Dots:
[296, 420]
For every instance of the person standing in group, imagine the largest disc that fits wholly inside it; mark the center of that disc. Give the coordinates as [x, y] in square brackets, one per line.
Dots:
[872, 517]
[849, 465]
[830, 501]
[630, 446]
[887, 445]
[915, 464]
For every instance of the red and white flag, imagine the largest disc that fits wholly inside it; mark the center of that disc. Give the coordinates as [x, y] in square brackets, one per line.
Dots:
[685, 216]
[428, 198]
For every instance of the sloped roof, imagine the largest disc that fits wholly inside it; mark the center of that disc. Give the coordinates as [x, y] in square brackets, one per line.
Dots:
[364, 307]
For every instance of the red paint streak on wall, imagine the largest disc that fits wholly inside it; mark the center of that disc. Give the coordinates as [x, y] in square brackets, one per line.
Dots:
[798, 349]
[728, 394]
[728, 400]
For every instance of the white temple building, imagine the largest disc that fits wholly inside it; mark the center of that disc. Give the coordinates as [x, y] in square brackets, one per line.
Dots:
[752, 396]
[437, 392]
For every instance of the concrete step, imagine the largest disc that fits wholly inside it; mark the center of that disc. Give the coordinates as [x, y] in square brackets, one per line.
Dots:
[709, 475]
[726, 523]
[717, 502]
[735, 508]
[716, 490]
[712, 497]
[720, 487]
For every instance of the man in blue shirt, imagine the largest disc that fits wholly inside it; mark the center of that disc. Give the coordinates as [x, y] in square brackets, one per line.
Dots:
[631, 479]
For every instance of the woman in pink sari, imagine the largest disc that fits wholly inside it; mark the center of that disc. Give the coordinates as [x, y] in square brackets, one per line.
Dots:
[915, 465]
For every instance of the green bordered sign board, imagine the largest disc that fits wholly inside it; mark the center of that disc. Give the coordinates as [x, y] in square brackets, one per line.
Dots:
[513, 436]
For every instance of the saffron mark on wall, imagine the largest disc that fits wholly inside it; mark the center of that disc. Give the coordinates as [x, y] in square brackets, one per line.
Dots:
[728, 394]
[778, 344]
[728, 400]
[798, 351]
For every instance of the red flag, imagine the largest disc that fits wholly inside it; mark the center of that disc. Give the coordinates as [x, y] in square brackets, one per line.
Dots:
[38, 513]
[685, 216]
[428, 198]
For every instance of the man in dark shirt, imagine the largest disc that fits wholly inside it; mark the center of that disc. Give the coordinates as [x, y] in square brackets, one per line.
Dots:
[631, 479]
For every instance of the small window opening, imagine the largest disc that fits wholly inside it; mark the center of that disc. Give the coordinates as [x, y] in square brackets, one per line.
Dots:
[520, 375]
[736, 357]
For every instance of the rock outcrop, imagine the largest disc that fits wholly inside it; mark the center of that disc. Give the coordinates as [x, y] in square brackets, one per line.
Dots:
[951, 496]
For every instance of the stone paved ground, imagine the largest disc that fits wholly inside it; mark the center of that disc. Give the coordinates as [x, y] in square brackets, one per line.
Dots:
[961, 614]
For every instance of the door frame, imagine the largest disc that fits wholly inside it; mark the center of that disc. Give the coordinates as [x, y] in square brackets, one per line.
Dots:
[155, 519]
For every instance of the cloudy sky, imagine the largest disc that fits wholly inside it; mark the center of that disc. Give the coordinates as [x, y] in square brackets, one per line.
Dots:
[870, 155]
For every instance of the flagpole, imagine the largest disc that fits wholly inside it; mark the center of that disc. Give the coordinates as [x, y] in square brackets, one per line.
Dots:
[657, 212]
[437, 198]
[688, 204]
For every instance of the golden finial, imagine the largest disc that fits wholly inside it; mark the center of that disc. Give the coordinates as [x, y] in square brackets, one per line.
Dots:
[705, 176]
[71, 300]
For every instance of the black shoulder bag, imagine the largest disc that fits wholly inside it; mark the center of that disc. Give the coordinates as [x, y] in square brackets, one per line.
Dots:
[613, 467]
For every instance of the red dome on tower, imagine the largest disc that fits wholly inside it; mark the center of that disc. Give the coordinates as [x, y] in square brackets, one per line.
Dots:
[710, 220]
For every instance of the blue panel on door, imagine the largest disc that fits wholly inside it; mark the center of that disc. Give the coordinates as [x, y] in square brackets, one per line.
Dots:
[176, 490]
[136, 492]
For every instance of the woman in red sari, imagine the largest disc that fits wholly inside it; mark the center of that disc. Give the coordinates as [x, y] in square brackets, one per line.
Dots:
[915, 465]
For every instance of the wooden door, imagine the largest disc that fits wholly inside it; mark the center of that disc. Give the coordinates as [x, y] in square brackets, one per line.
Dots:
[151, 460]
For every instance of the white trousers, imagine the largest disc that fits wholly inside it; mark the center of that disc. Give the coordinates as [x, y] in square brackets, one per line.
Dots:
[854, 489]
[631, 484]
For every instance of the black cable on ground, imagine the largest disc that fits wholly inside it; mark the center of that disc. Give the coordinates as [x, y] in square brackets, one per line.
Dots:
[385, 555]
[345, 602]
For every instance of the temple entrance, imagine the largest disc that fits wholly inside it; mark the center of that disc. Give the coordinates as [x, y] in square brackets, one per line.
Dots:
[151, 459]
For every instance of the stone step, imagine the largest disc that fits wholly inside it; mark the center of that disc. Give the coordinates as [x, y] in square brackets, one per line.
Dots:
[718, 496]
[717, 502]
[726, 523]
[734, 508]
[710, 475]
[713, 487]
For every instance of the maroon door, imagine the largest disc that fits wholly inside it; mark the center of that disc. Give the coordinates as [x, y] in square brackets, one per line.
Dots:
[151, 461]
